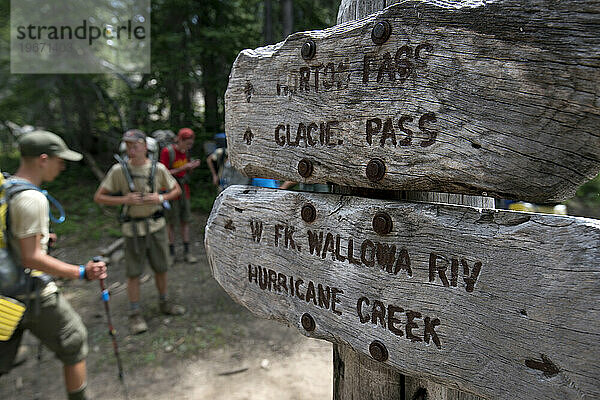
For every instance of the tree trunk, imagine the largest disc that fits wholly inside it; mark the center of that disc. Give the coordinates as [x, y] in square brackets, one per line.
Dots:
[211, 96]
[268, 22]
[287, 13]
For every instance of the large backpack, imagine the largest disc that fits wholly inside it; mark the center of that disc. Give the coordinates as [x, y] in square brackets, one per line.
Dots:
[14, 280]
[165, 139]
[227, 174]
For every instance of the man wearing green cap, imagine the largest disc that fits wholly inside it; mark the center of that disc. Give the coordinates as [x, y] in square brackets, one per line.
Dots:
[49, 316]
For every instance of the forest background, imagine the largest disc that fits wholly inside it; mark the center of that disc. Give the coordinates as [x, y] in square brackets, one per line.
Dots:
[193, 45]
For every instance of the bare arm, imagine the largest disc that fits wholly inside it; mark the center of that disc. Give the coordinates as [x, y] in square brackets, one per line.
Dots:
[288, 185]
[213, 171]
[32, 256]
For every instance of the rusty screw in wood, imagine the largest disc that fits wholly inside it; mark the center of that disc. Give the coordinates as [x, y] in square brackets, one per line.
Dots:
[305, 168]
[309, 49]
[378, 351]
[381, 32]
[309, 213]
[308, 322]
[375, 170]
[382, 223]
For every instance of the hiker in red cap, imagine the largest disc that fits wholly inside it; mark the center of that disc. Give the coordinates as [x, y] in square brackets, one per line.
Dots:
[175, 158]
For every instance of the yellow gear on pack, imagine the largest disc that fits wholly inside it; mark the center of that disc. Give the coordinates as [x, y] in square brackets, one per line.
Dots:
[3, 208]
[11, 312]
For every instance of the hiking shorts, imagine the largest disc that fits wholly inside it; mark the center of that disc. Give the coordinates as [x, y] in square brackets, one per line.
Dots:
[56, 325]
[180, 211]
[153, 247]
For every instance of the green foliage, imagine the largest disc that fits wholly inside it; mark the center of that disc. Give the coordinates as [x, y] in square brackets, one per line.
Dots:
[194, 44]
[203, 192]
[589, 193]
[9, 161]
[85, 220]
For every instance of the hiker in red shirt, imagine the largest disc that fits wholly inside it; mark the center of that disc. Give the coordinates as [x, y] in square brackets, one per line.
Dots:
[175, 158]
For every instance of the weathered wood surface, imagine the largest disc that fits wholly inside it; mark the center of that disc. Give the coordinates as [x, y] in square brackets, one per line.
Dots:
[377, 381]
[393, 385]
[526, 326]
[499, 98]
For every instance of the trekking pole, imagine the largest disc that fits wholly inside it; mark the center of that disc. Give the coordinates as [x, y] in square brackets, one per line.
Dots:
[111, 330]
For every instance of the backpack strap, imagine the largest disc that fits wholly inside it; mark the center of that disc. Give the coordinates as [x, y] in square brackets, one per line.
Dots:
[129, 177]
[171, 150]
[151, 182]
[14, 186]
[126, 172]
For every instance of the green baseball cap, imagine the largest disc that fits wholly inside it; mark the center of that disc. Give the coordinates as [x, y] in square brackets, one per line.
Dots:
[35, 143]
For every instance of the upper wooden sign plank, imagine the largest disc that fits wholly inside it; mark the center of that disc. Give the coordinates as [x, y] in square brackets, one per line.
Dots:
[499, 303]
[499, 99]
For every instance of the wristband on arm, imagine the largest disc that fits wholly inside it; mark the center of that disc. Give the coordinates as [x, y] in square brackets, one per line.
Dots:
[81, 272]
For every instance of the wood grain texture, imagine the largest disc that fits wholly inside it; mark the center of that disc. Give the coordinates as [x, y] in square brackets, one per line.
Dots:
[377, 381]
[509, 89]
[526, 327]
[358, 377]
[345, 358]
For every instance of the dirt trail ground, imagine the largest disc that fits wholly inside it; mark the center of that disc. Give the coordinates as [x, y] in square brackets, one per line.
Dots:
[218, 350]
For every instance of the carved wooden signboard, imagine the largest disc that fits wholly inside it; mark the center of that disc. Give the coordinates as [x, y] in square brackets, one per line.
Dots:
[497, 98]
[502, 304]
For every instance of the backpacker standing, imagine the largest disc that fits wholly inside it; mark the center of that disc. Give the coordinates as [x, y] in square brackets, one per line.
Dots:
[48, 316]
[143, 224]
[223, 173]
[175, 158]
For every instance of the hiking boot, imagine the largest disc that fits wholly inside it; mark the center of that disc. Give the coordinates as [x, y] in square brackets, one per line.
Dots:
[137, 324]
[189, 258]
[169, 308]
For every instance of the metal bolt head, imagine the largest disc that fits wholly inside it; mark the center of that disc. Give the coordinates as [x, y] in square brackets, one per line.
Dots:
[305, 168]
[308, 50]
[382, 223]
[375, 170]
[309, 213]
[381, 32]
[308, 323]
[378, 351]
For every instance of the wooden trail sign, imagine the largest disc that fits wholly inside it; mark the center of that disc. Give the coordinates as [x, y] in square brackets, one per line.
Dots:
[502, 304]
[497, 97]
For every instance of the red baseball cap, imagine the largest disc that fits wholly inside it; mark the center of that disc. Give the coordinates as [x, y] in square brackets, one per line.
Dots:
[185, 133]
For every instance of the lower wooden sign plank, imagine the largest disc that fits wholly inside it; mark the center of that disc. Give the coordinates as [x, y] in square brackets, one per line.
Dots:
[467, 97]
[502, 304]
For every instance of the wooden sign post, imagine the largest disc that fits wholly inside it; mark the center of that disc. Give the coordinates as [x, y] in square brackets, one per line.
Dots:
[469, 98]
[452, 293]
[433, 95]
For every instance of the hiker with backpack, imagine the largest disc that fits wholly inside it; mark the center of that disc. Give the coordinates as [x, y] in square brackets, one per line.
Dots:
[46, 313]
[175, 157]
[222, 172]
[134, 185]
